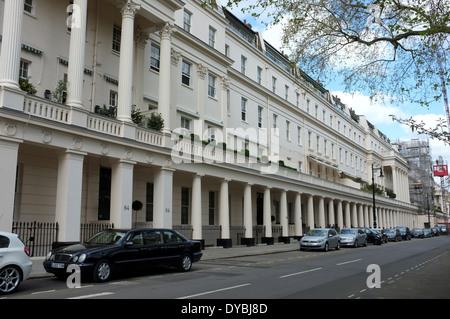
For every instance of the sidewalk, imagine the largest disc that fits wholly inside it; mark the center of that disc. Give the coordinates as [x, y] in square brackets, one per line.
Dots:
[209, 253]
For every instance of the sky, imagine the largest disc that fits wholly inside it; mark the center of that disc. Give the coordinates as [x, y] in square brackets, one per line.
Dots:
[376, 112]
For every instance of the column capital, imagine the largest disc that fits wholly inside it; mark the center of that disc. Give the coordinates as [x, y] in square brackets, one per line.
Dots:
[165, 31]
[128, 8]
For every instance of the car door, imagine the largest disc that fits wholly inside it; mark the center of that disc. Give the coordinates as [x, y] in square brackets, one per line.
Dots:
[332, 238]
[154, 247]
[174, 246]
[362, 237]
[131, 254]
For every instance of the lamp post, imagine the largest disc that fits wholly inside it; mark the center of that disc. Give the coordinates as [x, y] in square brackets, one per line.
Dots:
[373, 193]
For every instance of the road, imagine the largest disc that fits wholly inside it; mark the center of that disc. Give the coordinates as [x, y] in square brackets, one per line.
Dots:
[408, 269]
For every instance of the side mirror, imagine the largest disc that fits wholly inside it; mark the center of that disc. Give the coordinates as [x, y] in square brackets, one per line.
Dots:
[128, 244]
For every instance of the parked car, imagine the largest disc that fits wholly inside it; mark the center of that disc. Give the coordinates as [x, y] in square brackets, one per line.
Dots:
[15, 262]
[382, 232]
[353, 237]
[373, 236]
[406, 233]
[443, 228]
[393, 234]
[320, 238]
[427, 233]
[115, 250]
[436, 231]
[417, 233]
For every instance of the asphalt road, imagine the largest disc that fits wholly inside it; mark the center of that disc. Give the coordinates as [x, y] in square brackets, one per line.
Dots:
[410, 269]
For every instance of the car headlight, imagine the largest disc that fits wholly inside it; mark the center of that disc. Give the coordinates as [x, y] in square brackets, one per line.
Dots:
[82, 258]
[49, 256]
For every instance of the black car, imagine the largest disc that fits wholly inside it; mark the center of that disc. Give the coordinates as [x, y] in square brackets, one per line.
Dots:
[115, 250]
[417, 233]
[373, 237]
[406, 233]
[393, 234]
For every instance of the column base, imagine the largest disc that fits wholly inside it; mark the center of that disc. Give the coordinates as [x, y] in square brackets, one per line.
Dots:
[268, 240]
[248, 242]
[225, 243]
[284, 239]
[202, 242]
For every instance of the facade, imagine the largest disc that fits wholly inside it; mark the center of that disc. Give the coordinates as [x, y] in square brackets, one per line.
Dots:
[252, 150]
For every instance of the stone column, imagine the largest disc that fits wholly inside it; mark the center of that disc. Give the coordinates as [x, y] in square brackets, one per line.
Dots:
[8, 168]
[224, 218]
[196, 207]
[164, 75]
[11, 43]
[68, 195]
[267, 216]
[348, 221]
[360, 216]
[331, 220]
[310, 211]
[122, 194]
[163, 193]
[354, 222]
[366, 216]
[298, 215]
[248, 223]
[284, 214]
[75, 75]
[129, 9]
[321, 212]
[340, 217]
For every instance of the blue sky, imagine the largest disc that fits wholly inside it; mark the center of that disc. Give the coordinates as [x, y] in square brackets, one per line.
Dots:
[376, 112]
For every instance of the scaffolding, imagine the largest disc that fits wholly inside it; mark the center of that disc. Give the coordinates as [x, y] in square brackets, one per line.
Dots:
[421, 181]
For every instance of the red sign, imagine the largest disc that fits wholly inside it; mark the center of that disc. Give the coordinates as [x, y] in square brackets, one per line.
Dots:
[440, 170]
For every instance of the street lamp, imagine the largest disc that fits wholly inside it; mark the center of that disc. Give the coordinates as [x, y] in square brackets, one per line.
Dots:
[373, 193]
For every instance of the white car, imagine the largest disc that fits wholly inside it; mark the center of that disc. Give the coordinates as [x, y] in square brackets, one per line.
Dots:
[15, 262]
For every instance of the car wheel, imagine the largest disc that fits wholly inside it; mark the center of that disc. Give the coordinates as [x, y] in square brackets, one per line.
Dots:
[10, 278]
[326, 248]
[338, 246]
[102, 271]
[355, 245]
[185, 263]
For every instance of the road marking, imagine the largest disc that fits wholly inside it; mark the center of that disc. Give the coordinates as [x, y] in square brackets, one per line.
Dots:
[299, 273]
[213, 291]
[93, 295]
[43, 292]
[348, 262]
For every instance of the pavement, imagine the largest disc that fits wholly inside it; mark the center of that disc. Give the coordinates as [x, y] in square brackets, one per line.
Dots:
[210, 253]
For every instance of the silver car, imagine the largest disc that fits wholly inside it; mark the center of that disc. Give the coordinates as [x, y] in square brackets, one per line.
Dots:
[320, 238]
[353, 237]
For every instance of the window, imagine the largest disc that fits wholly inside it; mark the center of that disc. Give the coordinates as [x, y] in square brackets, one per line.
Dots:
[307, 106]
[184, 206]
[24, 72]
[286, 92]
[288, 130]
[187, 19]
[155, 56]
[104, 193]
[186, 123]
[274, 84]
[212, 37]
[309, 140]
[28, 6]
[243, 64]
[113, 98]
[211, 134]
[260, 116]
[149, 203]
[117, 34]
[275, 121]
[259, 75]
[299, 135]
[212, 208]
[186, 73]
[4, 242]
[211, 85]
[243, 109]
[298, 100]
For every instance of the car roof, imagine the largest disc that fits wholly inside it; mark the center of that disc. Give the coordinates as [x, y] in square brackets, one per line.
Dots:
[6, 234]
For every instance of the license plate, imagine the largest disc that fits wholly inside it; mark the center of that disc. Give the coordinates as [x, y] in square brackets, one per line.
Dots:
[57, 265]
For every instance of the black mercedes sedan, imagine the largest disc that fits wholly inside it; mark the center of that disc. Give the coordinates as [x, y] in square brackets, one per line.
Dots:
[116, 250]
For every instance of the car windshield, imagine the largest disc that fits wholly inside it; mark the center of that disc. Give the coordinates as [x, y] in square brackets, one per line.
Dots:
[390, 231]
[349, 231]
[317, 232]
[106, 237]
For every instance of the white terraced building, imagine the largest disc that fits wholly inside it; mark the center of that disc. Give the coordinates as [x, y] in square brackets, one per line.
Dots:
[251, 150]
